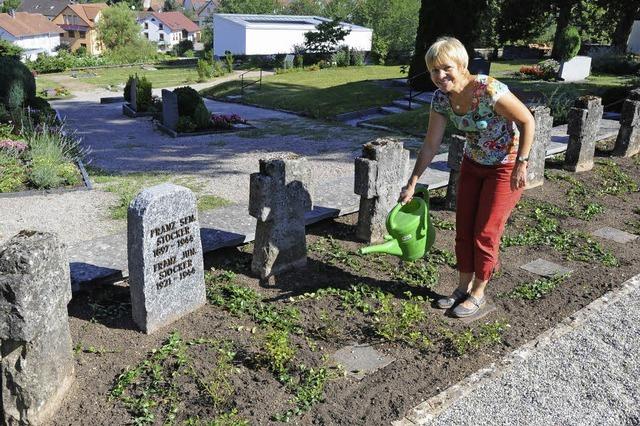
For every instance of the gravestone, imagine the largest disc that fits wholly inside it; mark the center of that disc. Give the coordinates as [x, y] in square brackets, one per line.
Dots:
[545, 268]
[454, 160]
[628, 140]
[279, 196]
[576, 69]
[133, 94]
[36, 355]
[166, 273]
[379, 175]
[169, 109]
[582, 127]
[541, 139]
[288, 61]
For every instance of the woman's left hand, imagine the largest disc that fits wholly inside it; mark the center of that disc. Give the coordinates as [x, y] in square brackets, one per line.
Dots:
[519, 176]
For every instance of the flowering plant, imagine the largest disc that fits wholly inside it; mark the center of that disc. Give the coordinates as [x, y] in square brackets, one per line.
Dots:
[8, 144]
[226, 121]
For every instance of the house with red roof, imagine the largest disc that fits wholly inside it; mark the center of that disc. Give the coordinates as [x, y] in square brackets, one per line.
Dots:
[168, 28]
[33, 32]
[79, 24]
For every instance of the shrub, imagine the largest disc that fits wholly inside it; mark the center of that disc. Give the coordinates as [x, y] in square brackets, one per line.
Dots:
[341, 57]
[12, 172]
[186, 124]
[380, 49]
[298, 61]
[228, 59]
[218, 69]
[357, 57]
[182, 47]
[204, 70]
[143, 94]
[140, 51]
[8, 49]
[189, 54]
[127, 88]
[610, 61]
[188, 100]
[569, 44]
[81, 51]
[202, 117]
[18, 84]
[560, 103]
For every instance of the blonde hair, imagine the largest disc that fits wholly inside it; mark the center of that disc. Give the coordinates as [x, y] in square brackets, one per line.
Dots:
[444, 50]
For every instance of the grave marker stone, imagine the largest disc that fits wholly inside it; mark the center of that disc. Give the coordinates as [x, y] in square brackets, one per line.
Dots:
[582, 127]
[279, 196]
[288, 61]
[545, 268]
[628, 140]
[541, 138]
[454, 160]
[169, 109]
[36, 355]
[133, 94]
[379, 175]
[166, 273]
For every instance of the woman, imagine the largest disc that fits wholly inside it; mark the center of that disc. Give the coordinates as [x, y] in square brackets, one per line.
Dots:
[493, 170]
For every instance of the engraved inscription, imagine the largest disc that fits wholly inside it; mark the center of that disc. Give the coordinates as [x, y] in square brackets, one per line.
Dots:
[171, 237]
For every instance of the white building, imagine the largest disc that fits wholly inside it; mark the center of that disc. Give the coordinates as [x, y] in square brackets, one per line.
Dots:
[272, 34]
[33, 32]
[168, 28]
[633, 45]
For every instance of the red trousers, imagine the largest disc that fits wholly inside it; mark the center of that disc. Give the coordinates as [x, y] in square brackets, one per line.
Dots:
[484, 203]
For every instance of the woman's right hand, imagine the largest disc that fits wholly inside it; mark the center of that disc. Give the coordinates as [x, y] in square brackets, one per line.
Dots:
[407, 193]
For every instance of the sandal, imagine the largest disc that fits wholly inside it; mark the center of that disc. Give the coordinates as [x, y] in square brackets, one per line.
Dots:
[447, 302]
[463, 312]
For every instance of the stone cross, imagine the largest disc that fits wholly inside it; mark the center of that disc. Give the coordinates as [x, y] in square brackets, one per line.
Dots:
[583, 123]
[166, 273]
[628, 140]
[538, 152]
[133, 94]
[36, 355]
[279, 196]
[454, 160]
[169, 109]
[379, 175]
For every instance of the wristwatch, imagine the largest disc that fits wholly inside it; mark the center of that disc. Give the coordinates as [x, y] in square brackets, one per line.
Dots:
[522, 159]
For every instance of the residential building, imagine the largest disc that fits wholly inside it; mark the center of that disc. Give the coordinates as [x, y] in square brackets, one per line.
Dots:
[79, 24]
[153, 5]
[48, 8]
[168, 28]
[204, 15]
[273, 34]
[33, 32]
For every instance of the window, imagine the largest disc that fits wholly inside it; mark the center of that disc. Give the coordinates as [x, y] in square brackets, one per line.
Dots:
[146, 35]
[72, 34]
[160, 27]
[146, 25]
[161, 37]
[83, 45]
[82, 34]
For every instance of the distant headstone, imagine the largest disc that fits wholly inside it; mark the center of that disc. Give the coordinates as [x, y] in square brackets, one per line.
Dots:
[133, 94]
[288, 61]
[36, 355]
[279, 196]
[454, 160]
[582, 127]
[628, 140]
[541, 138]
[479, 66]
[166, 273]
[169, 109]
[379, 175]
[575, 69]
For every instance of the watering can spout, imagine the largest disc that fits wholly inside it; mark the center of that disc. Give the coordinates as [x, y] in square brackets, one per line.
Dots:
[388, 247]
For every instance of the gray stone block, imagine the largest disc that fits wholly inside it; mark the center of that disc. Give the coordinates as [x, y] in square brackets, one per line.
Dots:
[36, 357]
[583, 123]
[614, 234]
[280, 195]
[541, 138]
[384, 166]
[545, 268]
[360, 360]
[166, 273]
[169, 109]
[133, 94]
[628, 139]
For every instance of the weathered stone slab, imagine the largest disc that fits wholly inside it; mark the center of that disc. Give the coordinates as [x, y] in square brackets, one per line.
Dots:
[380, 173]
[545, 268]
[133, 94]
[576, 69]
[279, 196]
[582, 127]
[169, 109]
[36, 356]
[628, 140]
[541, 138]
[454, 161]
[360, 360]
[166, 273]
[614, 234]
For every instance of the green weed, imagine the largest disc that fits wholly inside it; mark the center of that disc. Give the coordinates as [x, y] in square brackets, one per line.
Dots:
[421, 273]
[471, 340]
[442, 257]
[277, 353]
[443, 224]
[308, 392]
[614, 181]
[395, 321]
[332, 252]
[536, 289]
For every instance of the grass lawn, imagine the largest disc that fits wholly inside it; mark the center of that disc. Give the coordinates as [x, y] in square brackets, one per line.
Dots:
[321, 94]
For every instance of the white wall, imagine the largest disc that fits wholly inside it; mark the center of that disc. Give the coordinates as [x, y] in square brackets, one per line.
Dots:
[227, 35]
[34, 44]
[633, 45]
[154, 31]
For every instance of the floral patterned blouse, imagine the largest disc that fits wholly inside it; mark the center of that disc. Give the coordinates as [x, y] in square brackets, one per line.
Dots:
[491, 138]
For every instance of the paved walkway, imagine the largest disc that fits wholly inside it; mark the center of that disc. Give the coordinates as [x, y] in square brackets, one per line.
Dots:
[582, 372]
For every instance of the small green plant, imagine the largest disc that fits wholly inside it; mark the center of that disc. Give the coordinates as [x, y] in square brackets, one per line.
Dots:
[13, 174]
[202, 117]
[536, 289]
[228, 61]
[421, 273]
[401, 321]
[443, 224]
[277, 353]
[470, 340]
[308, 392]
[204, 70]
[332, 252]
[614, 181]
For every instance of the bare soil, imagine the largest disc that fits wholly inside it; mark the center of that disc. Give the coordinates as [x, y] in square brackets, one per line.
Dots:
[193, 384]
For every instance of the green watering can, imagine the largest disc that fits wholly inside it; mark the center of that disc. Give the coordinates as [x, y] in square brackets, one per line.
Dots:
[411, 232]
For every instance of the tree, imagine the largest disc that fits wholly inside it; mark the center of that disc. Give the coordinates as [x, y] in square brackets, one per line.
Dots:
[343, 10]
[326, 37]
[437, 21]
[170, 5]
[8, 5]
[305, 7]
[394, 22]
[118, 26]
[9, 49]
[249, 6]
[522, 20]
[564, 7]
[623, 13]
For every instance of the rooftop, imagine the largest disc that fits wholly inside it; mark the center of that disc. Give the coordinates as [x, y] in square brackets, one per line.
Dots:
[283, 21]
[28, 24]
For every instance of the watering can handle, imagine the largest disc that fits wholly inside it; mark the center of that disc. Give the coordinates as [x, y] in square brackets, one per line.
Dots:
[422, 190]
[396, 209]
